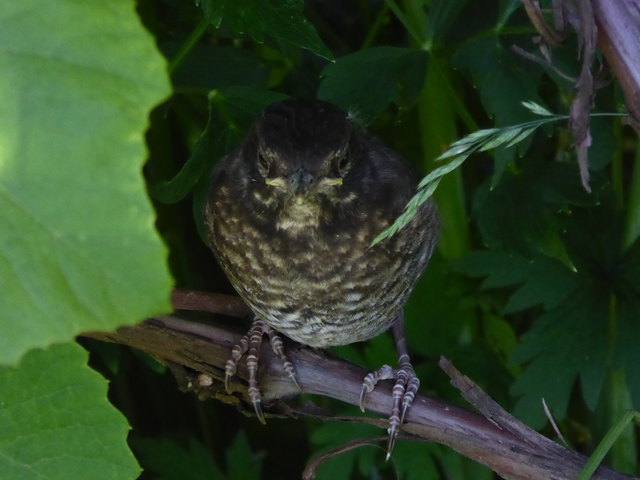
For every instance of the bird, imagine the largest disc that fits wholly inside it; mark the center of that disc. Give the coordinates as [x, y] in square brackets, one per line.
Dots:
[291, 215]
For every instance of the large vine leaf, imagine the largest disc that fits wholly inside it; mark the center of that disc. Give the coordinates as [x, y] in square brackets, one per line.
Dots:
[56, 423]
[77, 246]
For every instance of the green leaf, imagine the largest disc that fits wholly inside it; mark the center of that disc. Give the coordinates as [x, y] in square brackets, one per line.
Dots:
[574, 339]
[541, 281]
[213, 10]
[210, 144]
[78, 250]
[231, 112]
[569, 341]
[380, 350]
[56, 423]
[522, 134]
[519, 215]
[605, 445]
[441, 15]
[627, 356]
[170, 460]
[343, 466]
[547, 281]
[536, 108]
[456, 466]
[502, 78]
[504, 138]
[242, 462]
[501, 269]
[503, 81]
[415, 460]
[280, 19]
[364, 83]
[434, 316]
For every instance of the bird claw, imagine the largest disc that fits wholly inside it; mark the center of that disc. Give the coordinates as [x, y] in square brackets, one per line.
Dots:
[404, 391]
[254, 395]
[249, 345]
[362, 392]
[370, 381]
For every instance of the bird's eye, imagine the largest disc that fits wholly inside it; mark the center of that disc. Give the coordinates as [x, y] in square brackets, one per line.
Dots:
[263, 163]
[343, 164]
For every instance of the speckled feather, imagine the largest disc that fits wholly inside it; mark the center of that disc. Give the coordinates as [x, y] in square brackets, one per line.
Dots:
[298, 251]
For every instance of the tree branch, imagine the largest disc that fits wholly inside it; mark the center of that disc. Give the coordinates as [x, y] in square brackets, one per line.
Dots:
[197, 349]
[619, 39]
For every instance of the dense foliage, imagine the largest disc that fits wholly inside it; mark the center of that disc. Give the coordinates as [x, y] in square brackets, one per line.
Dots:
[534, 291]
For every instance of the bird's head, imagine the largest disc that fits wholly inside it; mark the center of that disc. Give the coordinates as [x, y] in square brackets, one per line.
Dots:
[301, 155]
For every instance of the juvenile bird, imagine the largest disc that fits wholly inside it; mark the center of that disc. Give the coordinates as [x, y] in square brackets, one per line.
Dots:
[291, 215]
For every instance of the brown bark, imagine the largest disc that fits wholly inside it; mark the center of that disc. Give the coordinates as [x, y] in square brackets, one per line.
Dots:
[619, 39]
[197, 350]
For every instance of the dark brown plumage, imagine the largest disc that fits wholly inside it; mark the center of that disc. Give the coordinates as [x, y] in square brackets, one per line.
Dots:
[291, 215]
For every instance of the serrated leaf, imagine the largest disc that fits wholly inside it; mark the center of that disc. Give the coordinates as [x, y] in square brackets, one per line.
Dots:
[539, 281]
[499, 268]
[281, 19]
[349, 83]
[573, 339]
[567, 343]
[546, 282]
[78, 250]
[56, 423]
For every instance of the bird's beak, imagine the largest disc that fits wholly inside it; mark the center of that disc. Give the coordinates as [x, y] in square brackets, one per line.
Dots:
[300, 182]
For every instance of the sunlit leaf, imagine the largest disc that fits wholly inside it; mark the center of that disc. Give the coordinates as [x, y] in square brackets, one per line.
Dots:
[78, 248]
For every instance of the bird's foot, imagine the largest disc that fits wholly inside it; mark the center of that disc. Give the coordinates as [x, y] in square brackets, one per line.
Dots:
[403, 393]
[250, 344]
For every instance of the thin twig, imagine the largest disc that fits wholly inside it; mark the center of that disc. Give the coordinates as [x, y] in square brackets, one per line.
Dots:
[548, 34]
[540, 61]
